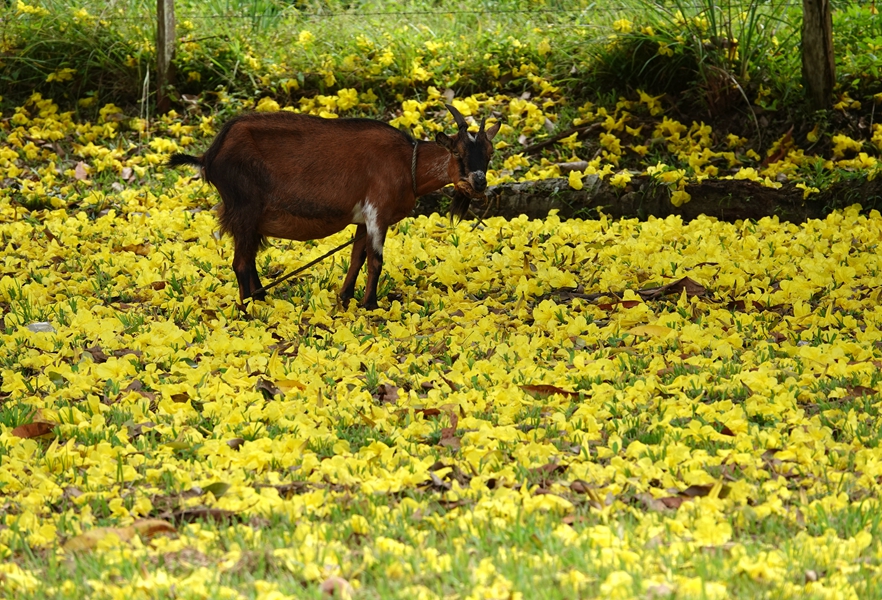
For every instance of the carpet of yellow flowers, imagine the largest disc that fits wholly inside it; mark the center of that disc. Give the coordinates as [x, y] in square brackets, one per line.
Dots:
[541, 409]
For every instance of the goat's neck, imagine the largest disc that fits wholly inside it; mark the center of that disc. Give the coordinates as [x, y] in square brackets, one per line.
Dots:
[431, 168]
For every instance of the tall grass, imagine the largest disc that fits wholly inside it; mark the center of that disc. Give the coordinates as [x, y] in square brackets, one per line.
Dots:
[713, 52]
[709, 51]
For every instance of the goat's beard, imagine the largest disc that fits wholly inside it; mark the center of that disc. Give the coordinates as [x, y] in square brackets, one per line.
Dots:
[463, 194]
[459, 206]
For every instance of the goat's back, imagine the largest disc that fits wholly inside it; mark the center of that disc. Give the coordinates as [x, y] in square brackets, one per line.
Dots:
[301, 177]
[286, 152]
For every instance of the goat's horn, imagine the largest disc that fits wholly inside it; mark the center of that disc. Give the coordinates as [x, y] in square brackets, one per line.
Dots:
[483, 120]
[457, 116]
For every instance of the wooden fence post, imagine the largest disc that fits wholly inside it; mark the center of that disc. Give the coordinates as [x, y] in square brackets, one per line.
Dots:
[165, 51]
[818, 64]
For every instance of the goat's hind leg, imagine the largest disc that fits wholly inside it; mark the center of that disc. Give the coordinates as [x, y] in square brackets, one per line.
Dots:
[245, 267]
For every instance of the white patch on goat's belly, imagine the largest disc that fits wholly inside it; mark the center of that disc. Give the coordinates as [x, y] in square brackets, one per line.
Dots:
[373, 226]
[357, 215]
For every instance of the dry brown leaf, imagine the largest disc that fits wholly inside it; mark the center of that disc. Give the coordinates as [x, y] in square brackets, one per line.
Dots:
[673, 501]
[387, 393]
[427, 412]
[81, 171]
[448, 434]
[692, 288]
[544, 390]
[623, 304]
[265, 385]
[33, 430]
[146, 528]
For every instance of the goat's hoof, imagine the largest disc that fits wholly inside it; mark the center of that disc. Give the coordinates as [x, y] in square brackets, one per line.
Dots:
[371, 306]
[344, 300]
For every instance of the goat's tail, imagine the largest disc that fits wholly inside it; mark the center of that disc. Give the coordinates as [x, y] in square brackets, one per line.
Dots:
[176, 160]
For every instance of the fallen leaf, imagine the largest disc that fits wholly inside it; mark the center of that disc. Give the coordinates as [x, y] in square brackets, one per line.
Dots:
[149, 528]
[387, 393]
[33, 430]
[697, 491]
[218, 488]
[81, 171]
[427, 412]
[145, 528]
[265, 385]
[673, 501]
[449, 438]
[692, 288]
[623, 304]
[544, 390]
[96, 353]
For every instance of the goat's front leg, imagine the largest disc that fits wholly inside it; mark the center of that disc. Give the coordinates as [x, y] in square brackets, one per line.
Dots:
[375, 241]
[355, 262]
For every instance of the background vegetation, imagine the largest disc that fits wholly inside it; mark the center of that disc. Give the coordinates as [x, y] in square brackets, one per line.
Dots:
[540, 409]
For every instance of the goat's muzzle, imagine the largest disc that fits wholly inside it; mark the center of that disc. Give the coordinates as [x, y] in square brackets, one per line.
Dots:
[478, 181]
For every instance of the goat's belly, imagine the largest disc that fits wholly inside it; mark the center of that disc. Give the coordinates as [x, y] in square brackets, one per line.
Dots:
[291, 227]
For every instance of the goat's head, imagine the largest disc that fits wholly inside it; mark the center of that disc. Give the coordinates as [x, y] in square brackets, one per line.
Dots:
[471, 154]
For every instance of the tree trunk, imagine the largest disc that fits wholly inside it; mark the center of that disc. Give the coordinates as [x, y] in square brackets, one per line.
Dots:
[165, 52]
[818, 65]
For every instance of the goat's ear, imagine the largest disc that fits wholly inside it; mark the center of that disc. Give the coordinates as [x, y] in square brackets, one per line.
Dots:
[444, 140]
[494, 129]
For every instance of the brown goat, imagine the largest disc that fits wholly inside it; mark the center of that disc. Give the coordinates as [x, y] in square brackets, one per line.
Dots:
[299, 177]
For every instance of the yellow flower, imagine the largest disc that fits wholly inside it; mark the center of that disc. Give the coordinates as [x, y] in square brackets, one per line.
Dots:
[267, 104]
[620, 179]
[680, 197]
[544, 47]
[347, 98]
[623, 26]
[65, 74]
